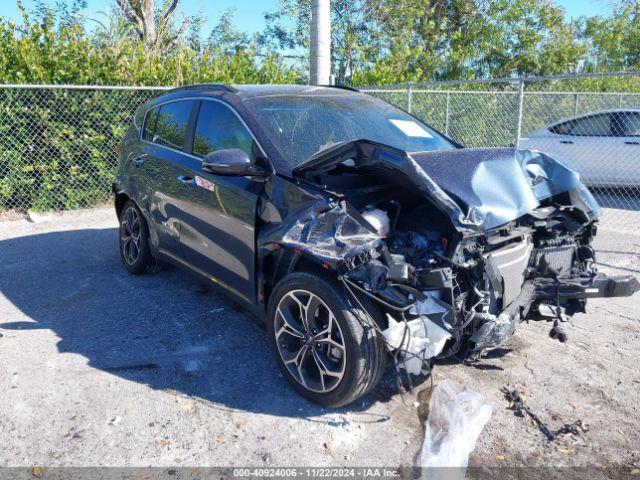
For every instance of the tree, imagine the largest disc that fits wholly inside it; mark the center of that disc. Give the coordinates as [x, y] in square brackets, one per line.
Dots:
[612, 41]
[377, 41]
[225, 38]
[67, 13]
[452, 39]
[154, 26]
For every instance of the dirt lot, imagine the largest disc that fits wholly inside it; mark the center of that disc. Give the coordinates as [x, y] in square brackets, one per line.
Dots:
[98, 367]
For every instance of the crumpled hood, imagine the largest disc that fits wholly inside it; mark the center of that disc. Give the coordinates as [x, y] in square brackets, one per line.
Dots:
[478, 188]
[501, 184]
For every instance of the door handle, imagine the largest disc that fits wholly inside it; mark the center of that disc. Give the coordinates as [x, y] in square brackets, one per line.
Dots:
[568, 142]
[632, 143]
[188, 180]
[139, 161]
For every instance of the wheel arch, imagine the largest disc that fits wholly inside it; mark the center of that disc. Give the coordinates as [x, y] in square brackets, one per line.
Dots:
[121, 198]
[277, 263]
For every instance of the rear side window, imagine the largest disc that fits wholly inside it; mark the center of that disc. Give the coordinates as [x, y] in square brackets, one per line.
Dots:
[219, 128]
[591, 126]
[171, 124]
[150, 124]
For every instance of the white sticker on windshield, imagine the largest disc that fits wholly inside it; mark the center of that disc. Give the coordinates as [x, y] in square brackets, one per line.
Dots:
[410, 128]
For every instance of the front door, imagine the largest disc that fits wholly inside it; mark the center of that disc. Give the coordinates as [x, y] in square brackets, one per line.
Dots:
[218, 212]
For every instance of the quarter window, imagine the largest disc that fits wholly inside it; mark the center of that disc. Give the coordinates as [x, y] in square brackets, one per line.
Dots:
[171, 125]
[219, 128]
[150, 124]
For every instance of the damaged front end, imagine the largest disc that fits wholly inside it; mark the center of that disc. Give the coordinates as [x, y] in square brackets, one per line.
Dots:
[456, 247]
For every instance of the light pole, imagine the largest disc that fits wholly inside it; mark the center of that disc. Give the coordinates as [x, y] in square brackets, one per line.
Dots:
[320, 54]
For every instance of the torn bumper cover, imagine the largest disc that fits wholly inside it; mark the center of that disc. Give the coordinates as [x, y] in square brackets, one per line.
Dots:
[455, 258]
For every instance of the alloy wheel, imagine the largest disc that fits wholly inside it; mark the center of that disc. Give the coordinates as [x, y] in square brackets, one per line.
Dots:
[130, 234]
[310, 341]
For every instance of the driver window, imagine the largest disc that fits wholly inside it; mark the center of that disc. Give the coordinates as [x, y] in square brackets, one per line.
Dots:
[219, 128]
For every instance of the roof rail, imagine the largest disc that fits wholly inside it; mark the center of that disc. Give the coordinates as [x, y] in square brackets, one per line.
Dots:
[341, 87]
[211, 86]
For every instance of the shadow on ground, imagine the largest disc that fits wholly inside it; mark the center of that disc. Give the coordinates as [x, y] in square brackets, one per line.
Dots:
[167, 329]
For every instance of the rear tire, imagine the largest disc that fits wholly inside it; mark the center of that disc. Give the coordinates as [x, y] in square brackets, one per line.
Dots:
[135, 252]
[333, 355]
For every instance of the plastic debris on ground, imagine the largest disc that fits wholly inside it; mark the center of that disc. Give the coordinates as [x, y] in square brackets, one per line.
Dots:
[456, 418]
[36, 217]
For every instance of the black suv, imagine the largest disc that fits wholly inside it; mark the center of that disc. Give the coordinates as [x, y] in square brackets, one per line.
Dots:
[354, 229]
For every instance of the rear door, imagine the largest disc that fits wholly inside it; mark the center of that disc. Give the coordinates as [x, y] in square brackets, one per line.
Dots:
[625, 164]
[218, 217]
[163, 164]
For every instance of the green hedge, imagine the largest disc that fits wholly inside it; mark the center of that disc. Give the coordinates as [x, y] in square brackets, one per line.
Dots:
[57, 147]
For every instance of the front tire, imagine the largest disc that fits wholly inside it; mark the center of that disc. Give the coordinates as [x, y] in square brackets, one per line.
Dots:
[326, 346]
[135, 252]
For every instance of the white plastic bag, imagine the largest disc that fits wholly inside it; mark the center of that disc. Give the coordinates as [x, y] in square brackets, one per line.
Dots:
[456, 418]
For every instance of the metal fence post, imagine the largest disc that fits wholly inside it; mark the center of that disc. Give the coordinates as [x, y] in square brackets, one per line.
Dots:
[446, 114]
[409, 99]
[520, 107]
[576, 103]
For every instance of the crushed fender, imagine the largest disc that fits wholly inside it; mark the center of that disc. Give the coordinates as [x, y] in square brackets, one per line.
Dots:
[330, 233]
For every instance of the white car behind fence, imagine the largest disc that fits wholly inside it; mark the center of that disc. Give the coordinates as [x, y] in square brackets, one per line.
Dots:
[604, 147]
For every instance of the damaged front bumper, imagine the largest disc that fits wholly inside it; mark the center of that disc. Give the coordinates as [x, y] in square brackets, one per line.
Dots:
[428, 327]
[583, 287]
[475, 293]
[548, 296]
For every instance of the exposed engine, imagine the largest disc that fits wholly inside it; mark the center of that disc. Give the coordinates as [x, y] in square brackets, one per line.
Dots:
[475, 289]
[455, 270]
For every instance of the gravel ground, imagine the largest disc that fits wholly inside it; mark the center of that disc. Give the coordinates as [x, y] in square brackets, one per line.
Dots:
[99, 367]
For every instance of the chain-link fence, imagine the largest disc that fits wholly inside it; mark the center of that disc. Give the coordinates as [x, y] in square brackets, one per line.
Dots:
[57, 143]
[591, 123]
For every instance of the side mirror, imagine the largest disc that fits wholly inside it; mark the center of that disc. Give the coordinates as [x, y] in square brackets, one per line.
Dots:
[231, 161]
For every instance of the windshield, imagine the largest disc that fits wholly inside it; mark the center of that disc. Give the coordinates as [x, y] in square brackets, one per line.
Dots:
[302, 125]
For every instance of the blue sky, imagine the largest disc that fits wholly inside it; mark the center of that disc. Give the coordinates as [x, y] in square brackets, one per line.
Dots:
[249, 14]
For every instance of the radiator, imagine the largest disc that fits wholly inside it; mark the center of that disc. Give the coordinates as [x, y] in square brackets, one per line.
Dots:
[559, 258]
